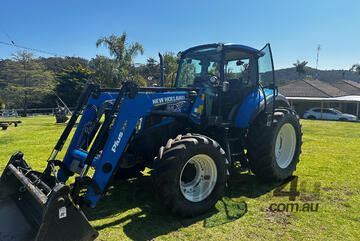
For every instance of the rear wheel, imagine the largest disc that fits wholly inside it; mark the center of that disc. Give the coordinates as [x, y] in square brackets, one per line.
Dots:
[274, 151]
[190, 174]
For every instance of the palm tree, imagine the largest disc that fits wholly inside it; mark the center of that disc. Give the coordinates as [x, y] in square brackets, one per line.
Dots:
[300, 67]
[123, 52]
[356, 68]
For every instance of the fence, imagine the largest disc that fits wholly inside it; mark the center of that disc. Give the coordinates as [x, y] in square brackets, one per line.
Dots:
[8, 113]
[30, 112]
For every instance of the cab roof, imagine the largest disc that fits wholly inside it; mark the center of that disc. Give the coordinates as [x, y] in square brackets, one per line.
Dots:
[229, 46]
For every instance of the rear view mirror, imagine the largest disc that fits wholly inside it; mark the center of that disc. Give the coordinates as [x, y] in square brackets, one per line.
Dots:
[239, 63]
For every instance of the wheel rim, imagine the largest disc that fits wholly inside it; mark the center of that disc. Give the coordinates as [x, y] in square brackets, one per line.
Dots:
[198, 178]
[285, 145]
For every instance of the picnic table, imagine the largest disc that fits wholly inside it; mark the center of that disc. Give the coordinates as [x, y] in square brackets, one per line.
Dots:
[5, 124]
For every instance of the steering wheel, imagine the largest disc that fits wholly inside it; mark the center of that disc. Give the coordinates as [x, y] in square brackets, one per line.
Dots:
[213, 78]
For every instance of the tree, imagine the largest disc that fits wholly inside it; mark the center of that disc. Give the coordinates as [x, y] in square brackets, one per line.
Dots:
[57, 64]
[71, 81]
[3, 70]
[308, 77]
[152, 72]
[106, 72]
[356, 68]
[123, 53]
[27, 80]
[171, 66]
[300, 67]
[138, 79]
[1, 103]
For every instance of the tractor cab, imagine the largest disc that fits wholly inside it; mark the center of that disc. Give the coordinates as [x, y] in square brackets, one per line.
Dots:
[228, 73]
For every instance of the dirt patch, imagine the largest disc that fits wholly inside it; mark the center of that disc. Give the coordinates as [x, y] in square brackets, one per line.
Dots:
[345, 205]
[327, 189]
[282, 218]
[308, 197]
[337, 199]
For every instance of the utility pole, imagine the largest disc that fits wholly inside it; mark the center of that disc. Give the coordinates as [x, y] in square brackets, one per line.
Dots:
[317, 60]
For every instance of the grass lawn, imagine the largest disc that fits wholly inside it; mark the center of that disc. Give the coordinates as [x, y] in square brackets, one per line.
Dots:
[328, 176]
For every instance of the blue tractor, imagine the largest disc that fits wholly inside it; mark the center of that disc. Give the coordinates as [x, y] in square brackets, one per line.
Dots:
[223, 110]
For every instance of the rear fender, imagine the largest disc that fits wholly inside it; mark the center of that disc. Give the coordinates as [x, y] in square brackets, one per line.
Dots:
[280, 101]
[254, 104]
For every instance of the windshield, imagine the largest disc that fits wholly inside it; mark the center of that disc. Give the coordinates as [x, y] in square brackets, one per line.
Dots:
[197, 66]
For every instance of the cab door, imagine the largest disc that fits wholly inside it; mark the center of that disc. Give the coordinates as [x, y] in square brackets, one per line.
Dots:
[266, 75]
[253, 103]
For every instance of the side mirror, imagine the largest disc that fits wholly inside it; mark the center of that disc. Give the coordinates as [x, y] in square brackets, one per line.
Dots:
[225, 86]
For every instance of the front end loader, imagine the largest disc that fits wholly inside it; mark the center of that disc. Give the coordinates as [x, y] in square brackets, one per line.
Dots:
[223, 111]
[34, 208]
[38, 205]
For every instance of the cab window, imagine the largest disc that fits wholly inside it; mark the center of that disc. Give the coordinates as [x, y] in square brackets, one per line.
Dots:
[238, 71]
[265, 66]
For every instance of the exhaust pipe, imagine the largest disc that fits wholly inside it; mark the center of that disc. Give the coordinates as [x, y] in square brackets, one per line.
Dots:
[34, 207]
[162, 82]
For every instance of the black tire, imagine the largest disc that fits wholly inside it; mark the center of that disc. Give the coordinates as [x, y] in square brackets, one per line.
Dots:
[311, 117]
[261, 143]
[168, 167]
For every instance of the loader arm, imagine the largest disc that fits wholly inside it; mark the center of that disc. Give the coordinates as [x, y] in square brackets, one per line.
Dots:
[129, 115]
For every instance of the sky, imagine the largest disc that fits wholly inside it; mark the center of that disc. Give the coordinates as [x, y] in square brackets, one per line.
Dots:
[293, 28]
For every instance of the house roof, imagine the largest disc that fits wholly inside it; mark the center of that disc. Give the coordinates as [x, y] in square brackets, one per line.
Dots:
[348, 98]
[348, 86]
[311, 88]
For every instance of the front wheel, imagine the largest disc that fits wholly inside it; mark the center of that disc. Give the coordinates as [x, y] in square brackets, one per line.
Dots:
[274, 151]
[190, 174]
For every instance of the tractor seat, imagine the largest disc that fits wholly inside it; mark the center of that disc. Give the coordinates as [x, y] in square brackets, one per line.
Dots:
[235, 97]
[197, 81]
[236, 84]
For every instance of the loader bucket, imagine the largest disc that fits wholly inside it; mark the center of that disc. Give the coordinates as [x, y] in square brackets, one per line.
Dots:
[36, 209]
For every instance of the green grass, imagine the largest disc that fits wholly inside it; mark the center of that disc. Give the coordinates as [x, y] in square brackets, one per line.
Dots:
[331, 155]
